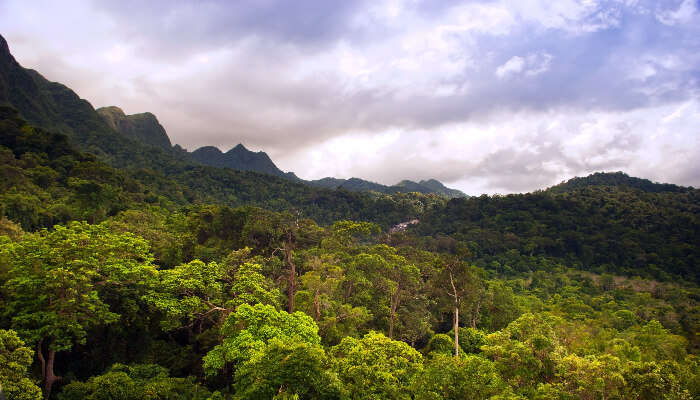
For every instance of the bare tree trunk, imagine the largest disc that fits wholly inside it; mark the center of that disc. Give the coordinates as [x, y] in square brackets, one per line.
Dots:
[317, 306]
[394, 306]
[456, 331]
[456, 318]
[348, 291]
[292, 271]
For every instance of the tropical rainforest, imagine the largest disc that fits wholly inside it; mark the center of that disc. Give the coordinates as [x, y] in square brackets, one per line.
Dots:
[128, 270]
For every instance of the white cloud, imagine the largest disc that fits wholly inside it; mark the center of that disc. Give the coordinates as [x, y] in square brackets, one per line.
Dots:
[531, 65]
[538, 63]
[685, 12]
[517, 152]
[513, 66]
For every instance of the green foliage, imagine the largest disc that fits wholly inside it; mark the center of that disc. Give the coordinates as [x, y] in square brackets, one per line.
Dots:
[376, 367]
[193, 292]
[440, 344]
[57, 279]
[272, 352]
[527, 351]
[615, 229]
[15, 360]
[454, 378]
[135, 382]
[649, 380]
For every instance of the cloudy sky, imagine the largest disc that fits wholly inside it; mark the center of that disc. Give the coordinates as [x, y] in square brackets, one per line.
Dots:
[488, 96]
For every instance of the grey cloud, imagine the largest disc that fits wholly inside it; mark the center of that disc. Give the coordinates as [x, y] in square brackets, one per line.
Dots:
[587, 71]
[173, 28]
[613, 59]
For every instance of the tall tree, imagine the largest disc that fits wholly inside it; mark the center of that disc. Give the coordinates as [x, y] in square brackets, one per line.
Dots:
[456, 283]
[56, 281]
[272, 353]
[283, 232]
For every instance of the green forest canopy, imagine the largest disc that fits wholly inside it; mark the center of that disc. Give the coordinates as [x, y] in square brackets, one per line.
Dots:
[133, 283]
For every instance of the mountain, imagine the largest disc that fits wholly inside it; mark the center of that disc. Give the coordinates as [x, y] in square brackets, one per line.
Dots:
[606, 222]
[56, 108]
[241, 159]
[615, 179]
[437, 187]
[431, 186]
[144, 127]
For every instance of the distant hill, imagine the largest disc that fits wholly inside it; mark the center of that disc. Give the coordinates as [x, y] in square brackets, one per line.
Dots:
[240, 158]
[144, 127]
[431, 186]
[615, 179]
[437, 187]
[598, 226]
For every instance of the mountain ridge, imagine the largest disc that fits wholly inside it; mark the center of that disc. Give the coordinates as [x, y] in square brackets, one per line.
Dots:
[115, 137]
[142, 126]
[240, 158]
[615, 179]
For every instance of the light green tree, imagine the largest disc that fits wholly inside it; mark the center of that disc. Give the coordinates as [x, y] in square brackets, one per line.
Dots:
[376, 367]
[455, 378]
[135, 382]
[196, 293]
[15, 360]
[527, 351]
[272, 353]
[56, 283]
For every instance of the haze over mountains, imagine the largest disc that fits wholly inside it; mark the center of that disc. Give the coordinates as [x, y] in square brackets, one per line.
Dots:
[51, 104]
[110, 133]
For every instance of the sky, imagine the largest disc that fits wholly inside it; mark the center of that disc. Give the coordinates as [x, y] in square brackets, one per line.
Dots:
[487, 96]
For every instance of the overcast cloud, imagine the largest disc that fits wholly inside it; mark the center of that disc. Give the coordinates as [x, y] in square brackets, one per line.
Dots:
[492, 96]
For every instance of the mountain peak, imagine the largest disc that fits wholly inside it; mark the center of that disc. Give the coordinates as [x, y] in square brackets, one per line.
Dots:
[208, 150]
[432, 182]
[112, 109]
[239, 158]
[239, 148]
[144, 126]
[4, 48]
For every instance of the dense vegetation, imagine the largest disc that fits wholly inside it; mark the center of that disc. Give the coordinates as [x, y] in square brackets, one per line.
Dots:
[136, 274]
[161, 295]
[650, 231]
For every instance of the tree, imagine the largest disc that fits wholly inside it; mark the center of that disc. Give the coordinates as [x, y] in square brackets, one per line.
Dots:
[527, 351]
[376, 367]
[321, 281]
[592, 377]
[56, 281]
[457, 280]
[15, 360]
[271, 352]
[402, 278]
[285, 232]
[135, 382]
[194, 293]
[654, 380]
[455, 378]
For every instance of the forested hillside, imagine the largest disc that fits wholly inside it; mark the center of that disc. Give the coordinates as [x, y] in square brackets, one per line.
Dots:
[603, 228]
[132, 273]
